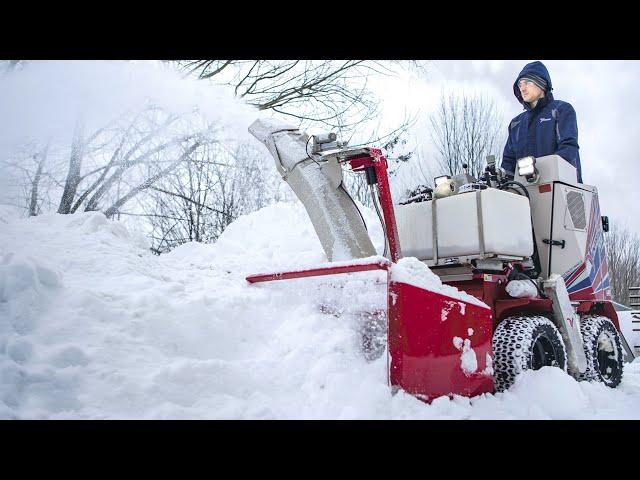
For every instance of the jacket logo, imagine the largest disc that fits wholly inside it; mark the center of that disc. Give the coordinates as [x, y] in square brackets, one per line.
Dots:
[544, 120]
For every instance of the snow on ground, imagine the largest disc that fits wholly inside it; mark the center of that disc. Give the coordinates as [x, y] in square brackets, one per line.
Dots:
[94, 326]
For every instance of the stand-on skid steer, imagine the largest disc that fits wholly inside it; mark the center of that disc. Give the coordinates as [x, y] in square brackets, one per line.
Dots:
[526, 254]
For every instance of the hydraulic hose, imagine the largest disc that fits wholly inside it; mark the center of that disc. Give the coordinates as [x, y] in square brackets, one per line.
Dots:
[513, 182]
[536, 255]
[375, 199]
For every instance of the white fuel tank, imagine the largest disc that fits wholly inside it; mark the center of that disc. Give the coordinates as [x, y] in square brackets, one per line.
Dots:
[477, 224]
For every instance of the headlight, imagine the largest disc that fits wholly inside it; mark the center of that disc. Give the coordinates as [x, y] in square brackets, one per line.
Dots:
[526, 166]
[438, 180]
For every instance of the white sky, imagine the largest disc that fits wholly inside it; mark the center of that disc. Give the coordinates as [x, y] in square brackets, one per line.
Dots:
[600, 91]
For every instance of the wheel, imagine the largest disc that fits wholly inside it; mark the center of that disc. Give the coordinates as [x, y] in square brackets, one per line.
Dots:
[525, 343]
[603, 349]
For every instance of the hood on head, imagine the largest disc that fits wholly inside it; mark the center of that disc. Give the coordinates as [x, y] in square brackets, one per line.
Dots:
[535, 68]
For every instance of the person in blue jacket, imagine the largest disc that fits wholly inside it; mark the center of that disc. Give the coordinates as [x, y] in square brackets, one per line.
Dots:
[546, 127]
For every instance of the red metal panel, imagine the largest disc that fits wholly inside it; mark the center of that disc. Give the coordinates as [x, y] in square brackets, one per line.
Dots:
[379, 163]
[317, 272]
[425, 362]
[522, 306]
[360, 163]
[386, 203]
[604, 308]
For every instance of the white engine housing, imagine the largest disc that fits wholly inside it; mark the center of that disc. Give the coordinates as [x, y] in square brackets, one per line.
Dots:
[568, 212]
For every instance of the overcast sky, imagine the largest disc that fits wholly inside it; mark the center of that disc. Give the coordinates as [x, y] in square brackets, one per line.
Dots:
[600, 91]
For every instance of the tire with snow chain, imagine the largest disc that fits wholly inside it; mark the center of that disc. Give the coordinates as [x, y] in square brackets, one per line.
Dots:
[525, 343]
[603, 349]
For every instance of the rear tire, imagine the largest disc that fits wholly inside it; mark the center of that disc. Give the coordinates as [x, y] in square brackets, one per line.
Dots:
[603, 349]
[525, 343]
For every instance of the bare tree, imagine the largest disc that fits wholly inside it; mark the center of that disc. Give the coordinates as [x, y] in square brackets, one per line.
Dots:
[134, 150]
[26, 171]
[150, 180]
[394, 146]
[189, 184]
[73, 173]
[329, 92]
[466, 128]
[204, 195]
[623, 255]
[172, 170]
[325, 93]
[34, 197]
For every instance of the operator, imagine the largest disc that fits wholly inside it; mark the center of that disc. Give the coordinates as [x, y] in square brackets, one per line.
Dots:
[546, 127]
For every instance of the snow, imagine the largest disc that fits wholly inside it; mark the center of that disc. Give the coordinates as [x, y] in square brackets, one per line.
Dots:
[412, 271]
[263, 128]
[94, 326]
[522, 289]
[468, 359]
[444, 313]
[489, 365]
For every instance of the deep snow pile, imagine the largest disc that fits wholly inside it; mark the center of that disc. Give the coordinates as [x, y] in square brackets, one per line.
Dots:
[94, 326]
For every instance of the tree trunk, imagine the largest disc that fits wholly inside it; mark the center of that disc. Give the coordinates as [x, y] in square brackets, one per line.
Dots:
[33, 204]
[113, 209]
[73, 176]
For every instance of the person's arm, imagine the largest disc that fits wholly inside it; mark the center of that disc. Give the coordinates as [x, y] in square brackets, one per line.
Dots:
[567, 134]
[509, 156]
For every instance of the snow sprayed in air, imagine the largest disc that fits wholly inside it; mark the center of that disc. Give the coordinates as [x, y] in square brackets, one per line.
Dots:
[46, 98]
[94, 326]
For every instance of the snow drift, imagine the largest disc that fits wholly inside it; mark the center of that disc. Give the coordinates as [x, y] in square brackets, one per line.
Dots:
[92, 325]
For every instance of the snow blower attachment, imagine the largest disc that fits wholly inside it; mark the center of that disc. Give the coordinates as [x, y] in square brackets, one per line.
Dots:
[419, 362]
[479, 236]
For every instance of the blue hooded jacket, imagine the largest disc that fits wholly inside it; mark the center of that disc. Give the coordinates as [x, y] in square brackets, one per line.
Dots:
[549, 128]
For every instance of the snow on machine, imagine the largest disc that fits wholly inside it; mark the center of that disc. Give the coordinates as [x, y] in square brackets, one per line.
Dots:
[526, 257]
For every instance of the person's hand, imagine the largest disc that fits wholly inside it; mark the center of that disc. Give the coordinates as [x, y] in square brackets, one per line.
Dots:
[503, 174]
